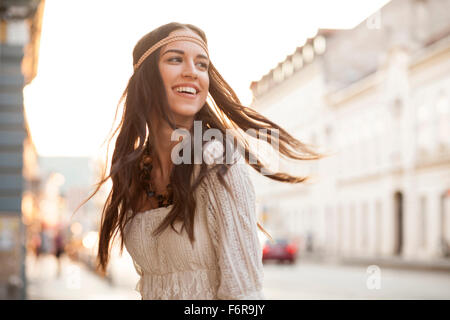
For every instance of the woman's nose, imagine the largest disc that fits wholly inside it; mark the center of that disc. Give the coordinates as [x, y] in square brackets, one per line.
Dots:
[189, 71]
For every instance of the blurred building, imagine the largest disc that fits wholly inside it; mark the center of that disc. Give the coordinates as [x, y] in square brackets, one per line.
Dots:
[377, 97]
[77, 175]
[20, 24]
[64, 183]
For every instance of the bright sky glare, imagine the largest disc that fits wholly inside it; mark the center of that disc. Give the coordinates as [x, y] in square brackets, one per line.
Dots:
[85, 54]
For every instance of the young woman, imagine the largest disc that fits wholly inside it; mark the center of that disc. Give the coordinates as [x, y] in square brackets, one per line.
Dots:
[189, 226]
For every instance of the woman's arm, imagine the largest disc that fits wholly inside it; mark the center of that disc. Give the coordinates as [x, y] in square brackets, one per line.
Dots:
[233, 230]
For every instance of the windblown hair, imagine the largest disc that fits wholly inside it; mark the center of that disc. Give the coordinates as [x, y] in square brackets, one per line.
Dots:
[144, 95]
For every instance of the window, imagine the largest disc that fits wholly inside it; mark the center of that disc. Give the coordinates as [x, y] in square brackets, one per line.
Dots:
[319, 45]
[443, 120]
[424, 128]
[352, 227]
[378, 226]
[297, 60]
[308, 53]
[287, 68]
[422, 223]
[365, 225]
[278, 74]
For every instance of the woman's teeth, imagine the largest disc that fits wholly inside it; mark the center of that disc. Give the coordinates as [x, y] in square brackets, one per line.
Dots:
[186, 89]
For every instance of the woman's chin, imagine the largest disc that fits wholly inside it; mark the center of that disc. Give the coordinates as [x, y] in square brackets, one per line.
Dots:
[185, 112]
[184, 120]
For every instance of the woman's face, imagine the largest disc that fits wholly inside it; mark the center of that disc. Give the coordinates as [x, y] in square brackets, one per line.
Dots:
[184, 70]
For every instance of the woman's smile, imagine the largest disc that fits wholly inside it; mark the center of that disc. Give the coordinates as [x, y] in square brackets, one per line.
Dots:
[189, 91]
[186, 95]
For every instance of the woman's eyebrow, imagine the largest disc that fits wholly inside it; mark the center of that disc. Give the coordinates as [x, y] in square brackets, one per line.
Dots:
[182, 52]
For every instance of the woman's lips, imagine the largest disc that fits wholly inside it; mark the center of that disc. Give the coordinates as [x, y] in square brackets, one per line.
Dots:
[186, 95]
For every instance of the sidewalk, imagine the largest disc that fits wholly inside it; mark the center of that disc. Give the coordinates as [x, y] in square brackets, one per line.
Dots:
[437, 264]
[76, 282]
[440, 265]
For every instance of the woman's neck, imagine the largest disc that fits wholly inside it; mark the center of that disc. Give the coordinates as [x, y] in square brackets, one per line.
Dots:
[163, 148]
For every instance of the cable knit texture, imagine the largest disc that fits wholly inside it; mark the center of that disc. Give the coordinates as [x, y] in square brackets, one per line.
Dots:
[225, 261]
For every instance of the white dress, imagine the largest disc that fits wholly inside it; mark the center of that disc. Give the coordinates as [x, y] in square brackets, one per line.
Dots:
[225, 261]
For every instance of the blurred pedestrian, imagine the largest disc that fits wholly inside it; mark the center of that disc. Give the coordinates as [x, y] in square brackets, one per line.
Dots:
[58, 250]
[45, 246]
[309, 242]
[36, 247]
[215, 199]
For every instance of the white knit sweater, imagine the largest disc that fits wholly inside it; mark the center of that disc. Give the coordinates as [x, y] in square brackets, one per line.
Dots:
[225, 261]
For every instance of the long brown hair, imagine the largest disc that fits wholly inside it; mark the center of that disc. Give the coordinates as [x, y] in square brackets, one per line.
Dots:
[145, 94]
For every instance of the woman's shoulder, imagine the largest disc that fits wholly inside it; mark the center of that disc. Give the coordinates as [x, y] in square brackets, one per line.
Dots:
[237, 173]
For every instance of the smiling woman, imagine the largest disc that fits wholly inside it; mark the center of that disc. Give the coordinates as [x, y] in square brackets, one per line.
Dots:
[211, 250]
[184, 71]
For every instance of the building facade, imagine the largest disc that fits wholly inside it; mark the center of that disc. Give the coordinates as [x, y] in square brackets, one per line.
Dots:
[20, 23]
[377, 99]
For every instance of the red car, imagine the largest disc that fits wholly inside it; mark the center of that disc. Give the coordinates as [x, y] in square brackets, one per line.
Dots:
[280, 250]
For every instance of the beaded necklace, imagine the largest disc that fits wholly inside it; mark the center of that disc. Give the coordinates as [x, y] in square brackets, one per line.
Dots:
[146, 166]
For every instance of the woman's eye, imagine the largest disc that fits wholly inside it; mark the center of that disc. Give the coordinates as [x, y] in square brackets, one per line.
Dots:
[202, 65]
[175, 59]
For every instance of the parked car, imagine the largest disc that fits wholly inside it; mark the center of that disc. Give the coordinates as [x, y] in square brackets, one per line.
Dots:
[280, 250]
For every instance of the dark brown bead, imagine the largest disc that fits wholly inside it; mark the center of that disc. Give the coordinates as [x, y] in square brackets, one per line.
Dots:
[147, 160]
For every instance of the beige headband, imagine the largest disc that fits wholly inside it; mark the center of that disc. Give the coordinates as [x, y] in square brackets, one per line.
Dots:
[167, 40]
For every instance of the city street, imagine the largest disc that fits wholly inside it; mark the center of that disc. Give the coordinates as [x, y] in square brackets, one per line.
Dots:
[308, 280]
[76, 282]
[304, 280]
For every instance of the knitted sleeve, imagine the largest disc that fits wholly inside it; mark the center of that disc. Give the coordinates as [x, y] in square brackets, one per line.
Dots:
[233, 230]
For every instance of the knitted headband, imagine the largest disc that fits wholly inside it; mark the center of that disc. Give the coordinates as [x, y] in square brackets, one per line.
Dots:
[167, 40]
